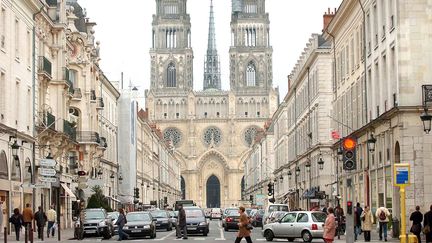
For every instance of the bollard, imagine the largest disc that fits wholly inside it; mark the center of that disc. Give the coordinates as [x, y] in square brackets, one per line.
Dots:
[5, 234]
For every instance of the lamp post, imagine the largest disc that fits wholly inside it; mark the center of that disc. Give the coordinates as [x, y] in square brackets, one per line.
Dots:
[320, 163]
[371, 143]
[426, 118]
[297, 174]
[15, 147]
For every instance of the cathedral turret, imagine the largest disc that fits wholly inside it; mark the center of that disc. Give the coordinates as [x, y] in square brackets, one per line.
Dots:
[171, 53]
[212, 75]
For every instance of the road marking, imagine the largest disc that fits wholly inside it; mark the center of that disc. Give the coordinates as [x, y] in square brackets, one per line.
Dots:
[166, 236]
[222, 236]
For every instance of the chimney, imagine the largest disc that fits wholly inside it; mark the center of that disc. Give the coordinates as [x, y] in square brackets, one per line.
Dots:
[327, 17]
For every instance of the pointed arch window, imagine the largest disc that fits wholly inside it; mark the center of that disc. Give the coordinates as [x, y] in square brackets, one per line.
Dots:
[251, 74]
[171, 75]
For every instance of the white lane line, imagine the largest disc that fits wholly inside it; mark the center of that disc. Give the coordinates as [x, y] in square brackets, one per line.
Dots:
[166, 236]
[222, 236]
[199, 238]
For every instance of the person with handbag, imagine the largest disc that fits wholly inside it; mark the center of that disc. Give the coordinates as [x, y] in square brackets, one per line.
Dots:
[427, 224]
[417, 218]
[244, 227]
[367, 224]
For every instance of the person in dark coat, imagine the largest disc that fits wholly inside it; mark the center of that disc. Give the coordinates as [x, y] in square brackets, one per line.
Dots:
[41, 220]
[427, 221]
[17, 220]
[182, 222]
[417, 218]
[121, 221]
[357, 221]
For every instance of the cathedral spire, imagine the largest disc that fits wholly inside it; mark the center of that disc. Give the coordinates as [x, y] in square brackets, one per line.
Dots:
[211, 63]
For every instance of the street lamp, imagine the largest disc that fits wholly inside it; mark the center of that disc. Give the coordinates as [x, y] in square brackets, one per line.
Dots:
[15, 147]
[112, 176]
[281, 178]
[308, 165]
[372, 140]
[320, 163]
[289, 175]
[297, 171]
[426, 119]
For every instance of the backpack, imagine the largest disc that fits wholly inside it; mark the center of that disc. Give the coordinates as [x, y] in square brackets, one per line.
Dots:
[382, 215]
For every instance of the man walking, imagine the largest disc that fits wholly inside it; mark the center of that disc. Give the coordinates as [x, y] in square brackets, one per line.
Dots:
[52, 215]
[382, 215]
[27, 217]
[182, 222]
[357, 221]
[41, 219]
[417, 218]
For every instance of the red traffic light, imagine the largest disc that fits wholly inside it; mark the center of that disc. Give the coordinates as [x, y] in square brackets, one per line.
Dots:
[349, 204]
[349, 143]
[82, 173]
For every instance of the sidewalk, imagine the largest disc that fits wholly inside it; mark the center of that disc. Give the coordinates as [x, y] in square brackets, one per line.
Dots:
[374, 238]
[65, 234]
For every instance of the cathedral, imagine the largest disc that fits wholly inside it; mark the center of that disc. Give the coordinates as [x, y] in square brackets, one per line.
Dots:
[211, 129]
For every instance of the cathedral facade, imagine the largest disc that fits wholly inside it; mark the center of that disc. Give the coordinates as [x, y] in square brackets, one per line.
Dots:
[212, 129]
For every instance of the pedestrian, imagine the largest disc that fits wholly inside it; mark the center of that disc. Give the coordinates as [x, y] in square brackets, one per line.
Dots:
[121, 221]
[182, 223]
[417, 218]
[329, 226]
[51, 215]
[244, 228]
[27, 217]
[41, 220]
[382, 215]
[368, 220]
[17, 220]
[427, 224]
[357, 221]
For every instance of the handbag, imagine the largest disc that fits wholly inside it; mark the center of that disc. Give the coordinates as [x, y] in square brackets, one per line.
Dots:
[426, 230]
[416, 228]
[249, 226]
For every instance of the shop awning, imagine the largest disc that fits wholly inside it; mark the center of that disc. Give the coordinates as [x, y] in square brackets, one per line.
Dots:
[68, 191]
[114, 199]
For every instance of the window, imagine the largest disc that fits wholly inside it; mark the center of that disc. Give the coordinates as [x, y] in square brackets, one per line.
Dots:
[251, 75]
[250, 37]
[171, 75]
[250, 8]
[153, 39]
[289, 218]
[2, 27]
[170, 9]
[17, 41]
[212, 136]
[29, 48]
[302, 218]
[173, 135]
[170, 39]
[2, 91]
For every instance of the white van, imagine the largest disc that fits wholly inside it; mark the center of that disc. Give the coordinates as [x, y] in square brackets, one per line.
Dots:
[272, 207]
[216, 213]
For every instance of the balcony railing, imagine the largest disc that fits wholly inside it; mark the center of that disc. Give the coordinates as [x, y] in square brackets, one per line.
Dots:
[69, 130]
[99, 103]
[71, 87]
[44, 67]
[48, 120]
[77, 94]
[93, 95]
[88, 137]
[103, 142]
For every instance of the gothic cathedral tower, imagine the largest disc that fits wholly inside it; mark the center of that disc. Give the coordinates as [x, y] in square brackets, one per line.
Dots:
[250, 51]
[171, 53]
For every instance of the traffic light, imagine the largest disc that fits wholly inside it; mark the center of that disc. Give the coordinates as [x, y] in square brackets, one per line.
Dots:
[82, 173]
[136, 193]
[251, 198]
[349, 207]
[270, 189]
[349, 153]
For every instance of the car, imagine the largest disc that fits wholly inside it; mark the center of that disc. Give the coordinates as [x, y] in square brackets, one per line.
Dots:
[257, 218]
[275, 216]
[140, 224]
[208, 212]
[196, 223]
[163, 220]
[306, 225]
[274, 207]
[114, 217]
[248, 211]
[173, 217]
[226, 212]
[231, 220]
[216, 213]
[97, 223]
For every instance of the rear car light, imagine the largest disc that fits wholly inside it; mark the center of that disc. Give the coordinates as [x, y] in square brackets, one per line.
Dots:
[229, 219]
[314, 227]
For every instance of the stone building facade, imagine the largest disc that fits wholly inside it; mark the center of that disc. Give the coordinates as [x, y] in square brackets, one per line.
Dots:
[213, 129]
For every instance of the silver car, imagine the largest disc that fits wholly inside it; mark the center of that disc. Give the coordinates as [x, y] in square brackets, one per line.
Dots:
[302, 224]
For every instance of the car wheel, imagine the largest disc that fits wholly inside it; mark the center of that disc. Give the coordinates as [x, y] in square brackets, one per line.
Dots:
[306, 236]
[290, 239]
[268, 234]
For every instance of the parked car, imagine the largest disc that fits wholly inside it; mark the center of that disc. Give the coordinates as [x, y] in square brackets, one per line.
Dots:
[173, 217]
[97, 223]
[216, 213]
[257, 218]
[140, 224]
[207, 212]
[228, 211]
[196, 223]
[114, 217]
[306, 225]
[163, 220]
[275, 216]
[274, 207]
[231, 220]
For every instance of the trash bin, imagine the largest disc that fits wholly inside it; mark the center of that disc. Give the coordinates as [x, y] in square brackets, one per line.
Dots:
[395, 228]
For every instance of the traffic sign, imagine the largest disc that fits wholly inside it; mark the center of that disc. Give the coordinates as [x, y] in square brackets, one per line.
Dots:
[48, 179]
[40, 185]
[48, 162]
[47, 172]
[401, 174]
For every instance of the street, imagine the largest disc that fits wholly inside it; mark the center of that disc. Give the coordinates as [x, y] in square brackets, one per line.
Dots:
[216, 234]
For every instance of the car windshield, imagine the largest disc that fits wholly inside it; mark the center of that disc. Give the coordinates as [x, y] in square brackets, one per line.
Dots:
[233, 213]
[228, 211]
[113, 215]
[260, 212]
[194, 213]
[273, 208]
[159, 214]
[96, 214]
[137, 217]
[319, 217]
[279, 215]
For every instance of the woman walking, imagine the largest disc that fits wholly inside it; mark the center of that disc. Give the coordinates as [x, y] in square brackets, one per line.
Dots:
[17, 220]
[417, 218]
[368, 221]
[243, 227]
[121, 221]
[329, 226]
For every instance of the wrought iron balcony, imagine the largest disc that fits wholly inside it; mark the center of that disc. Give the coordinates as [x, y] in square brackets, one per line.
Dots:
[88, 137]
[47, 120]
[93, 95]
[103, 142]
[71, 87]
[70, 130]
[99, 103]
[77, 95]
[44, 67]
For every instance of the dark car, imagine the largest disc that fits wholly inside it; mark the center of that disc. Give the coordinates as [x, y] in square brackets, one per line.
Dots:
[257, 218]
[196, 223]
[97, 223]
[140, 224]
[227, 212]
[231, 220]
[163, 220]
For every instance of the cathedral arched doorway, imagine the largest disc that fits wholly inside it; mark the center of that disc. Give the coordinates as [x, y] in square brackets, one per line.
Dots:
[183, 187]
[213, 192]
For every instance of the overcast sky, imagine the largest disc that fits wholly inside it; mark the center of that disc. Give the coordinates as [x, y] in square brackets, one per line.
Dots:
[124, 30]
